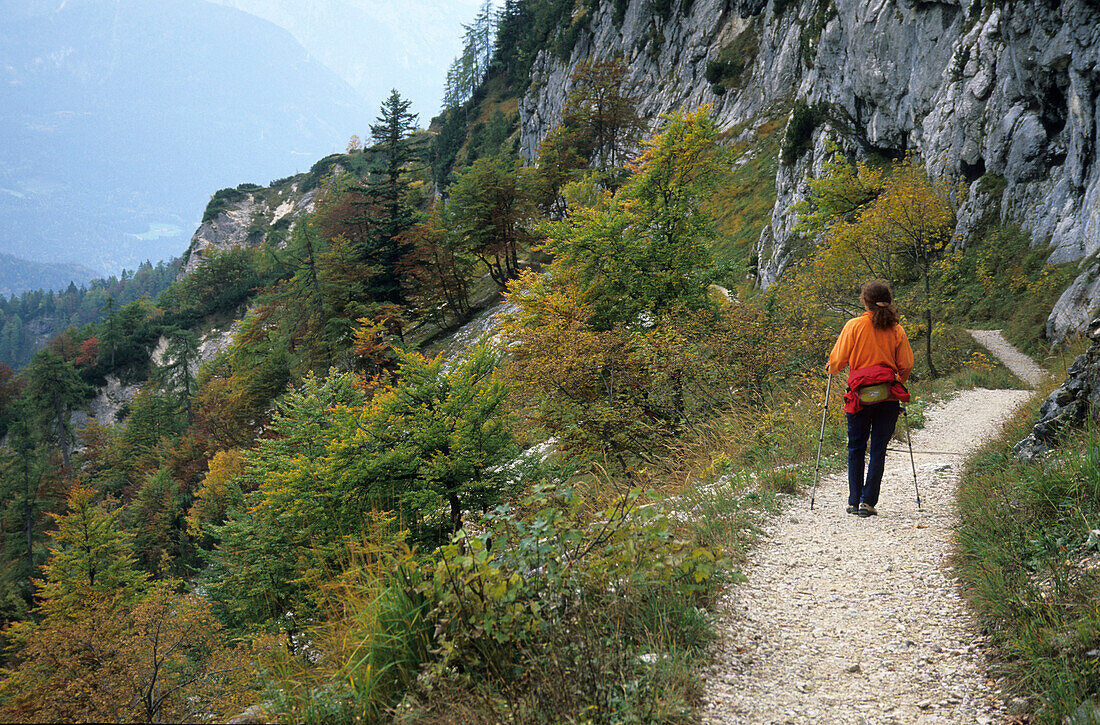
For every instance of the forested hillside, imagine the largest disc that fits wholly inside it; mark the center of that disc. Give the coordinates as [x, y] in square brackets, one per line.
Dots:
[30, 319]
[316, 517]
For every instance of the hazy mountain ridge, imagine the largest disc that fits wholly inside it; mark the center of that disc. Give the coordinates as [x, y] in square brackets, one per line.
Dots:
[94, 172]
[19, 275]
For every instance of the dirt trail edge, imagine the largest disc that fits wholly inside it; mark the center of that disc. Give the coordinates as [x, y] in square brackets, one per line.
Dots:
[851, 620]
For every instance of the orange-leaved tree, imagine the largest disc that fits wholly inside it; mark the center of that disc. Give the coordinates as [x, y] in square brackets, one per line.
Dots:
[891, 224]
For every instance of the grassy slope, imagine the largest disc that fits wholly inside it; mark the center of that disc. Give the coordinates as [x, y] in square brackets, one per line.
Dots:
[743, 207]
[1030, 565]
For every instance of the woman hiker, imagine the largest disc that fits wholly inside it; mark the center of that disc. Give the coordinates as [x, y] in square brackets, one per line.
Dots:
[876, 352]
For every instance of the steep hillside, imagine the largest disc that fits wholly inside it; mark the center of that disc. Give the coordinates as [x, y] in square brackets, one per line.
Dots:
[366, 533]
[1003, 95]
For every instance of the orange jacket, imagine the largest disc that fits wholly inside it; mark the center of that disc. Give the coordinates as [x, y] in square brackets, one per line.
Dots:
[862, 345]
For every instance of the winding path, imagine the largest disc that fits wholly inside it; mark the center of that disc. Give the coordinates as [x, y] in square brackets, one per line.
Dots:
[850, 620]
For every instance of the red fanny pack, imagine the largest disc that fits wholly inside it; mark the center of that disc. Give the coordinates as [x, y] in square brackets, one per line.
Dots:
[874, 376]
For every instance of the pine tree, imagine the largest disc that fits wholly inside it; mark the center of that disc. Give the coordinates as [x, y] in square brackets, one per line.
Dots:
[90, 555]
[391, 137]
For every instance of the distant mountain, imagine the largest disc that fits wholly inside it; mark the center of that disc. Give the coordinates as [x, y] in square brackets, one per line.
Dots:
[21, 275]
[376, 45]
[121, 117]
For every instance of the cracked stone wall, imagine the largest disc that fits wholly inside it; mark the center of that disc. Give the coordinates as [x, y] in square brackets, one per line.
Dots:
[1011, 91]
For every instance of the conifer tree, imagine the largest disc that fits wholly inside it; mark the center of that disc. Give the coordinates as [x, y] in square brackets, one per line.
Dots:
[55, 387]
[180, 359]
[469, 69]
[391, 137]
[20, 476]
[91, 555]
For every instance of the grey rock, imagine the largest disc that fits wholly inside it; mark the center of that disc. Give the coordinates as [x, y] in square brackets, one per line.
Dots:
[1012, 90]
[1070, 405]
[1087, 713]
[236, 225]
[1076, 305]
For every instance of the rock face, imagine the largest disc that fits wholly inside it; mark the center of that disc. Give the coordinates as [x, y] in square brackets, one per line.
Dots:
[105, 408]
[111, 400]
[1011, 91]
[1070, 405]
[247, 222]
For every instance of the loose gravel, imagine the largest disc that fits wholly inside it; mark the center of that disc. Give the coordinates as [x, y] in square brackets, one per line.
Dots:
[852, 620]
[1017, 362]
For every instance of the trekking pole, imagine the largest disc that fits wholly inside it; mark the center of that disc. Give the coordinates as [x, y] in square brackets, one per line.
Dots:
[820, 438]
[912, 463]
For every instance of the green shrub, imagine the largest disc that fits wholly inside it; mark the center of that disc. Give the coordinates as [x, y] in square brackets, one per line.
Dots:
[221, 201]
[566, 615]
[800, 129]
[727, 69]
[1000, 279]
[661, 8]
[824, 11]
[620, 10]
[222, 282]
[992, 185]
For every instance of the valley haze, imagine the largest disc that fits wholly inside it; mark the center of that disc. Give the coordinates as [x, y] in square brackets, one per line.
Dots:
[121, 119]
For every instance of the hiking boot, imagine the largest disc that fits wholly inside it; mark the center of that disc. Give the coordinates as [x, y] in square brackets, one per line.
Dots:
[866, 509]
[852, 509]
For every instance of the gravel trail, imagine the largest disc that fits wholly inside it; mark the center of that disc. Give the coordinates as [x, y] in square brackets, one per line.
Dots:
[850, 620]
[1017, 362]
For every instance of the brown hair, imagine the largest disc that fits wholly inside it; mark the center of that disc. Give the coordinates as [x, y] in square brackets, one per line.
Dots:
[877, 297]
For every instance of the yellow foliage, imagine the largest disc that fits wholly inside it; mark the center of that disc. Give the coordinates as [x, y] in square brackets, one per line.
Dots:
[163, 659]
[216, 491]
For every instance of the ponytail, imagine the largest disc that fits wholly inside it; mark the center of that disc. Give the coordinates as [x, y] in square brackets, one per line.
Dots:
[877, 297]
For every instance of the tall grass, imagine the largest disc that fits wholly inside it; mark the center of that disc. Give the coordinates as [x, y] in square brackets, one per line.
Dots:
[358, 666]
[1031, 563]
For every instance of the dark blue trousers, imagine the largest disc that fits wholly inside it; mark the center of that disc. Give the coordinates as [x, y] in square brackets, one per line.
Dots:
[869, 428]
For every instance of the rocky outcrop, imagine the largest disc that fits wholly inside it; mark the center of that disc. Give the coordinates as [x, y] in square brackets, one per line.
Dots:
[248, 221]
[1005, 91]
[1076, 305]
[1071, 404]
[107, 407]
[111, 400]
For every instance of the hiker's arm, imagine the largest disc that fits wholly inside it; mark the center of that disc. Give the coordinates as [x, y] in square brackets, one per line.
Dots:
[904, 356]
[842, 349]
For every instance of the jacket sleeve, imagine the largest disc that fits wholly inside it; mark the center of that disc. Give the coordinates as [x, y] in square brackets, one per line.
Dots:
[903, 355]
[842, 349]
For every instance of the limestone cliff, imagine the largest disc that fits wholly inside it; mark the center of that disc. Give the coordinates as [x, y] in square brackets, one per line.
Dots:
[246, 216]
[1004, 95]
